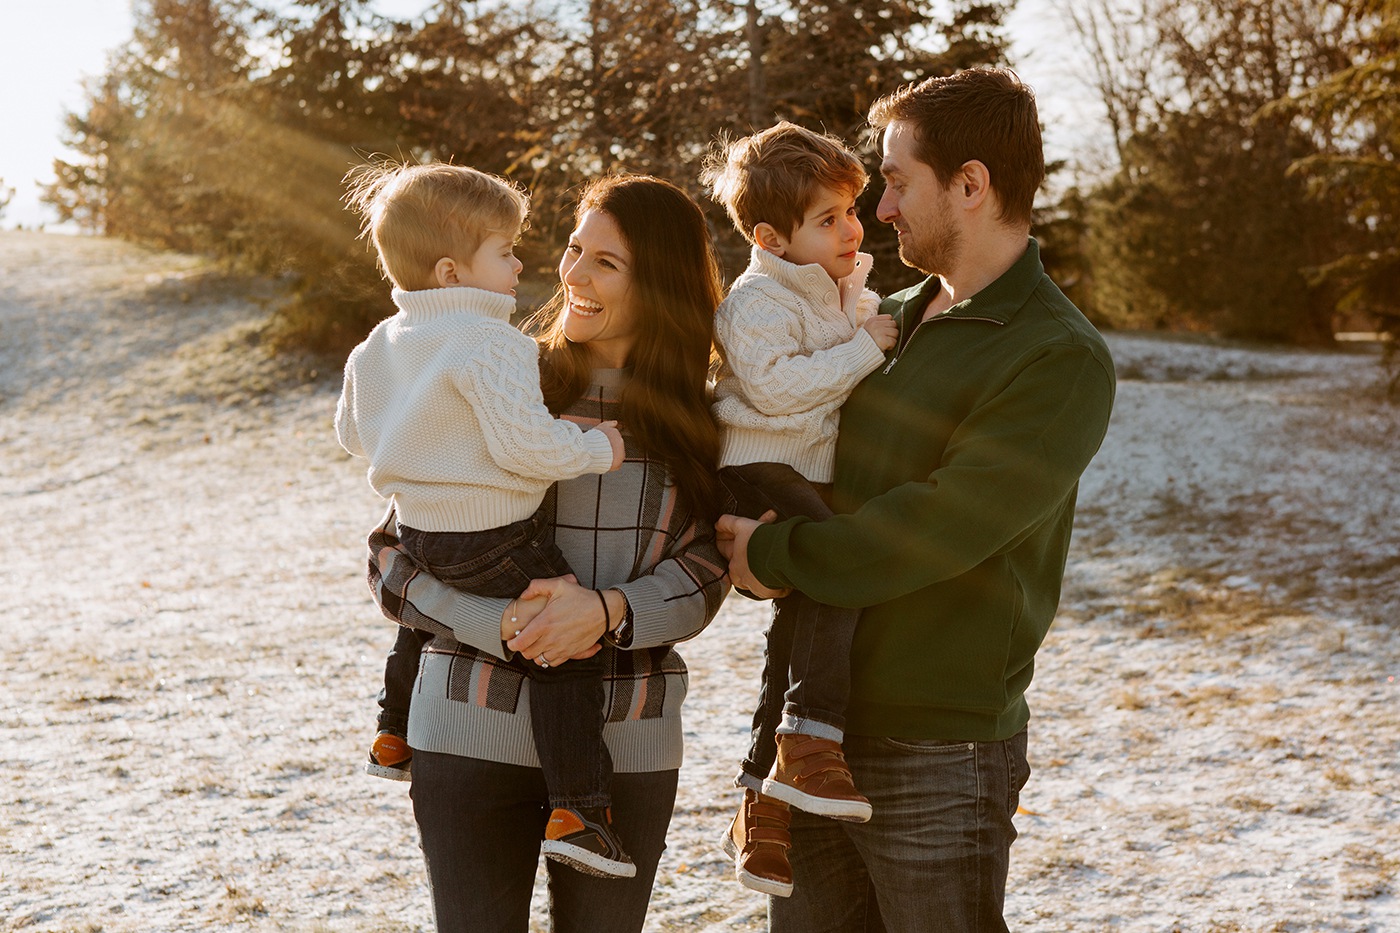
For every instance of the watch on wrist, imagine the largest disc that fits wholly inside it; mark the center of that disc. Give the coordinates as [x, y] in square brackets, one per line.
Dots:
[622, 635]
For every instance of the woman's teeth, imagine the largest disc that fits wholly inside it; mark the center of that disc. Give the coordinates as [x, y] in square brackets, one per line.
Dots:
[585, 307]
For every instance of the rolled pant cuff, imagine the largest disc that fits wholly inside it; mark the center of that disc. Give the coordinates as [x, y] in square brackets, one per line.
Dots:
[796, 725]
[580, 803]
[747, 780]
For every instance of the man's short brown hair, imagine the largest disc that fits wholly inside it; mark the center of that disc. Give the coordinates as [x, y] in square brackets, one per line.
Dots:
[983, 114]
[774, 176]
[416, 214]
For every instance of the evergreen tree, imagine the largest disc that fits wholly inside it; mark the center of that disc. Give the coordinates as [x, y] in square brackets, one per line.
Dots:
[1358, 107]
[1204, 225]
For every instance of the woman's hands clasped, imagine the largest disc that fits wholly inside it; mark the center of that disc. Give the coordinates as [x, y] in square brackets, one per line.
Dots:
[556, 620]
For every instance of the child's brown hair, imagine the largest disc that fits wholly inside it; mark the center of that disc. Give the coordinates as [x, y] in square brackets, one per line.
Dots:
[773, 176]
[416, 214]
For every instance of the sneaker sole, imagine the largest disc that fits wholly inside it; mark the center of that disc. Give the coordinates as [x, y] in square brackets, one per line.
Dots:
[748, 879]
[590, 863]
[384, 771]
[851, 811]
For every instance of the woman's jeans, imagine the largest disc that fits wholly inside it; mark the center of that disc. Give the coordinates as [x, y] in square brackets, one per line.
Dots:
[566, 701]
[934, 856]
[807, 659]
[481, 823]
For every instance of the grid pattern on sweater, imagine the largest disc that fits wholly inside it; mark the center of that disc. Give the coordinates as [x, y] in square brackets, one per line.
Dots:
[623, 529]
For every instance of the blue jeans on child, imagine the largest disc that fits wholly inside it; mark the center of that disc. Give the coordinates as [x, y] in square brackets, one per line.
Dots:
[566, 702]
[807, 660]
[934, 856]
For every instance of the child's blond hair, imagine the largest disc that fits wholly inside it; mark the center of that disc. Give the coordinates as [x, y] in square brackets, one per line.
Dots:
[416, 214]
[773, 176]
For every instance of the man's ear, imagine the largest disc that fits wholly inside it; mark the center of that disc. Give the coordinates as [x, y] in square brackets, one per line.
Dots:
[768, 237]
[446, 273]
[973, 184]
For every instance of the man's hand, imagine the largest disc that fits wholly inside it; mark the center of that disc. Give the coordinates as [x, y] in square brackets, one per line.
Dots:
[732, 534]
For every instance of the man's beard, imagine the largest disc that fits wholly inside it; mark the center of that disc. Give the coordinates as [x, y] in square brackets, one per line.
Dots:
[937, 252]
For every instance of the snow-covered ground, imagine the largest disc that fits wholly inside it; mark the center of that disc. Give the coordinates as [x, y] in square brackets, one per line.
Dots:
[186, 689]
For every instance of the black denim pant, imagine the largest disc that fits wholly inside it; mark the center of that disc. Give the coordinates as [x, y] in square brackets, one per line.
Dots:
[566, 702]
[807, 662]
[481, 823]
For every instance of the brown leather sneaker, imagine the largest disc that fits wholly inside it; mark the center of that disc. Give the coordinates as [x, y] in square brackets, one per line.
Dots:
[758, 841]
[812, 775]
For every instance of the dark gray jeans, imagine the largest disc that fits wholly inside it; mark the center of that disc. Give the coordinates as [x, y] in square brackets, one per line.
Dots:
[935, 854]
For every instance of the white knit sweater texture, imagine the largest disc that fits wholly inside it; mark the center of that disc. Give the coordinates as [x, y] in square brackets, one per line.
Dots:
[793, 349]
[444, 400]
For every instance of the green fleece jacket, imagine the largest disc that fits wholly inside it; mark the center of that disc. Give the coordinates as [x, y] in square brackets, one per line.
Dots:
[956, 474]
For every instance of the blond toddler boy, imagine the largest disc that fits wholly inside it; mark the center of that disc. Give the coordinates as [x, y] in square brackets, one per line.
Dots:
[444, 400]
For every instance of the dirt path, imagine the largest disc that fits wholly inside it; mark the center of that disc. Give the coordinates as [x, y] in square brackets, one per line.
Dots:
[191, 654]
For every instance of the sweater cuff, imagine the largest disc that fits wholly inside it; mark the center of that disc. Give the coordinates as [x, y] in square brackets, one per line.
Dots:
[600, 455]
[871, 356]
[651, 621]
[765, 547]
[476, 621]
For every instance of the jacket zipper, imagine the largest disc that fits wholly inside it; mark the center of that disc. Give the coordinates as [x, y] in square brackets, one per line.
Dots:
[961, 317]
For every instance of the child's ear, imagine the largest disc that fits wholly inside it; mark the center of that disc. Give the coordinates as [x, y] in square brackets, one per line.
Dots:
[445, 273]
[768, 237]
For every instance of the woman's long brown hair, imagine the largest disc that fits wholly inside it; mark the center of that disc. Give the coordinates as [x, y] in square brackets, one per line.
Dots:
[676, 281]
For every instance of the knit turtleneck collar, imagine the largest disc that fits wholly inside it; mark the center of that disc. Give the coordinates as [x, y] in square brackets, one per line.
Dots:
[811, 281]
[431, 303]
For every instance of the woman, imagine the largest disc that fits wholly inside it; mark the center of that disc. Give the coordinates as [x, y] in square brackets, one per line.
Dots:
[628, 337]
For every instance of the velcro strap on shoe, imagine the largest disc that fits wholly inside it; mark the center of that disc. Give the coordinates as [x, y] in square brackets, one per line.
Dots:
[778, 813]
[817, 756]
[779, 837]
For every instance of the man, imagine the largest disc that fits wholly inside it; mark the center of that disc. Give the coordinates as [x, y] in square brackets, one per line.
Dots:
[956, 476]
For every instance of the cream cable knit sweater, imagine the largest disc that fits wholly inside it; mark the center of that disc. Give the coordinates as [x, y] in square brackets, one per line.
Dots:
[444, 399]
[793, 349]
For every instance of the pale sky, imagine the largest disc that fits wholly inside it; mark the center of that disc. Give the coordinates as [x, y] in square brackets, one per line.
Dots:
[47, 48]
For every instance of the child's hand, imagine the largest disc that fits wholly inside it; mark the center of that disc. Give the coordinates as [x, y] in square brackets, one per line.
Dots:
[610, 431]
[883, 328]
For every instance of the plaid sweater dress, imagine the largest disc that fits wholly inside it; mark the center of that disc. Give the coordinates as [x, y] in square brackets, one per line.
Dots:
[622, 529]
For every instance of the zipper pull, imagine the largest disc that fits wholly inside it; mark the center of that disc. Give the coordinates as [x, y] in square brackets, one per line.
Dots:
[890, 366]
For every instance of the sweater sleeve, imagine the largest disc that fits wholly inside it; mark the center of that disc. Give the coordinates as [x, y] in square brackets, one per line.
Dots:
[762, 346]
[682, 593]
[520, 433]
[867, 306]
[420, 601]
[1007, 467]
[345, 430]
[672, 603]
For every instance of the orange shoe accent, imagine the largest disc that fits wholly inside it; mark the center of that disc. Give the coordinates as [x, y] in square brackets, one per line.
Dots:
[563, 823]
[389, 750]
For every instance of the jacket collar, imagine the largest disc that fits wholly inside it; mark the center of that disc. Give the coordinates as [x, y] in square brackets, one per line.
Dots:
[998, 302]
[811, 281]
